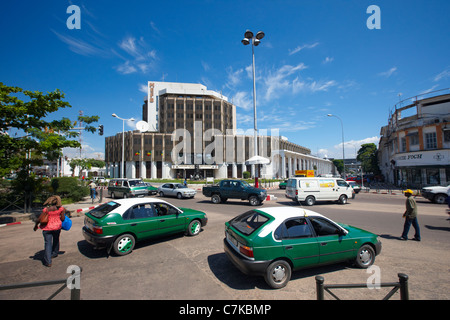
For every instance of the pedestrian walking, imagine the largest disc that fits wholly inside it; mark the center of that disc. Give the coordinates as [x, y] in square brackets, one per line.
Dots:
[410, 216]
[50, 222]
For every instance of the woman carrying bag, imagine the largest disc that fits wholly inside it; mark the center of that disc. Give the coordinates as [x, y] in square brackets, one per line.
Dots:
[50, 222]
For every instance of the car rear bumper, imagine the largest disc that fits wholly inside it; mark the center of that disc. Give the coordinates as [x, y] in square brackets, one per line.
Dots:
[97, 240]
[247, 266]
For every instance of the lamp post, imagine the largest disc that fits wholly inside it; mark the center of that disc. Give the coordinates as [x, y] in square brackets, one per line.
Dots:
[255, 41]
[123, 140]
[343, 152]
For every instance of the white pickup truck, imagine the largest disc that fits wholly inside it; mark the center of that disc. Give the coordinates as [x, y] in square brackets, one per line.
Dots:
[436, 194]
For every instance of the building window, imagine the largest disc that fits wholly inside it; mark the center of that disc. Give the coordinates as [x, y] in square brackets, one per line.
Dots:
[414, 139]
[430, 140]
[447, 136]
[403, 144]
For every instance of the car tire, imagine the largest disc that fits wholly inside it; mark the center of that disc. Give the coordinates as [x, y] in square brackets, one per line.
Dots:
[254, 201]
[365, 256]
[179, 195]
[124, 244]
[215, 198]
[278, 274]
[113, 195]
[310, 200]
[343, 199]
[440, 198]
[194, 228]
[161, 194]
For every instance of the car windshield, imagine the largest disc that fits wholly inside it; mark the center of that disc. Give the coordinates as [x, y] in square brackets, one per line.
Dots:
[104, 209]
[248, 222]
[179, 186]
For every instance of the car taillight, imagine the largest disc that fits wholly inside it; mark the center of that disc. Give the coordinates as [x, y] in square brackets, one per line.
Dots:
[296, 192]
[246, 251]
[97, 229]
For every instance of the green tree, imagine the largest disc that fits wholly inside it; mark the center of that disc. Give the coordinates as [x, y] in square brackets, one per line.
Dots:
[368, 156]
[339, 164]
[26, 134]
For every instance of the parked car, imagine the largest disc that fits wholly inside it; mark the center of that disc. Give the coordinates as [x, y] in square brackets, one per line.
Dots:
[235, 189]
[436, 194]
[271, 242]
[126, 188]
[176, 190]
[151, 189]
[119, 224]
[356, 187]
[282, 185]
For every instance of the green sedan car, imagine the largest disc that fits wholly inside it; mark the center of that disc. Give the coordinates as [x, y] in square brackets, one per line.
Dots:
[119, 224]
[272, 242]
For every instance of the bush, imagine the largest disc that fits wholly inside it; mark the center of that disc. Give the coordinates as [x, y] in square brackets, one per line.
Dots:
[69, 187]
[246, 174]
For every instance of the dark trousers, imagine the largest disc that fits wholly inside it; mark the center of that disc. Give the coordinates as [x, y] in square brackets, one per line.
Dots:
[51, 245]
[407, 225]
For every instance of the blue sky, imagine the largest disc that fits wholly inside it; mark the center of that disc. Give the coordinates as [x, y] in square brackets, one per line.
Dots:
[317, 57]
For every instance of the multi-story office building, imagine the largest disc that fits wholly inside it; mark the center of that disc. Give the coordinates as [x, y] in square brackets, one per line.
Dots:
[414, 148]
[192, 131]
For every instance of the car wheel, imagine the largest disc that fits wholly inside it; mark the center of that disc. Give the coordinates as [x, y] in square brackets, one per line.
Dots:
[161, 194]
[440, 198]
[343, 199]
[365, 257]
[278, 274]
[124, 244]
[194, 228]
[125, 195]
[215, 198]
[113, 195]
[179, 195]
[254, 201]
[310, 200]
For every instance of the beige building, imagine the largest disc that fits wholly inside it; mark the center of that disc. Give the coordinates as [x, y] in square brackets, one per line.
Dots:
[192, 132]
[414, 148]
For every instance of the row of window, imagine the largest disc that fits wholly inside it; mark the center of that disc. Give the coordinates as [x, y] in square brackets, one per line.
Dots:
[430, 140]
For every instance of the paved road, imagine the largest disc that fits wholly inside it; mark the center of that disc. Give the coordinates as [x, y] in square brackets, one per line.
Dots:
[182, 267]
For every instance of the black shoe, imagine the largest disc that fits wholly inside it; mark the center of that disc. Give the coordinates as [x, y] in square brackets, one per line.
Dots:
[416, 239]
[403, 239]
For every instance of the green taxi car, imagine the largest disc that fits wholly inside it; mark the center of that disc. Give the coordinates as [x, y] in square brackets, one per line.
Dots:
[119, 224]
[272, 242]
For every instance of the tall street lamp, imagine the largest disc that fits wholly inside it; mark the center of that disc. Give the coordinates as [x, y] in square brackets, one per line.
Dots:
[123, 140]
[342, 127]
[255, 41]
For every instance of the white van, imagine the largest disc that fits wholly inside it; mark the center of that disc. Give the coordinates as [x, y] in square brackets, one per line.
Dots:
[310, 190]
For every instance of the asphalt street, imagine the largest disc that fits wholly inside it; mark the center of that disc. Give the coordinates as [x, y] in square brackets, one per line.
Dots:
[196, 268]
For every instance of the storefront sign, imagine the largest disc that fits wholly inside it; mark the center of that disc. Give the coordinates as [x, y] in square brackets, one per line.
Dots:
[422, 158]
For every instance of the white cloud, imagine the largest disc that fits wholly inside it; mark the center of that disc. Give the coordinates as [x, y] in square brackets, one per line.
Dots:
[141, 57]
[300, 48]
[243, 100]
[443, 75]
[388, 73]
[328, 60]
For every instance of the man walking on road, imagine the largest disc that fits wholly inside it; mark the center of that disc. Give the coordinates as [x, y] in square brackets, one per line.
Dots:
[410, 216]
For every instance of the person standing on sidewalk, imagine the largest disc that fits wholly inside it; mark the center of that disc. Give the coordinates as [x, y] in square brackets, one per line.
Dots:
[410, 216]
[50, 222]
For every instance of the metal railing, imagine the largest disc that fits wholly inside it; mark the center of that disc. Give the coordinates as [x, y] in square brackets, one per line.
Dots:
[402, 284]
[75, 291]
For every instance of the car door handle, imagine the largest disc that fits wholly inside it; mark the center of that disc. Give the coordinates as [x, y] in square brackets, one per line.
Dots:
[162, 220]
[323, 243]
[133, 224]
[289, 247]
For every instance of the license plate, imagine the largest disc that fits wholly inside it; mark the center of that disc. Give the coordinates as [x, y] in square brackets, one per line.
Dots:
[232, 239]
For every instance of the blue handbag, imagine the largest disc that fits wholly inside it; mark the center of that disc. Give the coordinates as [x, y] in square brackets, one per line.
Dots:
[66, 224]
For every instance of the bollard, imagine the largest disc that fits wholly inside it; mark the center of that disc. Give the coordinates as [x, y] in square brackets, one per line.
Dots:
[319, 287]
[404, 292]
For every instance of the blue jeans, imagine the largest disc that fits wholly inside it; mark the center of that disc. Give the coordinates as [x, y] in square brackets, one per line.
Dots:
[407, 225]
[51, 244]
